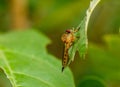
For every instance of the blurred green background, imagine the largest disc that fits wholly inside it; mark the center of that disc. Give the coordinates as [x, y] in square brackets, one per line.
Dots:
[101, 67]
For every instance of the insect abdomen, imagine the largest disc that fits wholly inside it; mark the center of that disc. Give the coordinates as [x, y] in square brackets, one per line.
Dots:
[65, 57]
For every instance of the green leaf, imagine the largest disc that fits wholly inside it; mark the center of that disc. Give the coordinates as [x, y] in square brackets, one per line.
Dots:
[26, 63]
[81, 44]
[105, 60]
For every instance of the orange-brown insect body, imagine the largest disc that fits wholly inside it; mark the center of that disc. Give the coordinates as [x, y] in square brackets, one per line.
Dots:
[68, 38]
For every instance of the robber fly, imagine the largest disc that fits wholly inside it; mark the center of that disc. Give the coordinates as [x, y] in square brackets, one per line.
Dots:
[67, 38]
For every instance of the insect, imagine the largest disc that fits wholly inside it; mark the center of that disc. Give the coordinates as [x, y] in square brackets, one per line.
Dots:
[68, 39]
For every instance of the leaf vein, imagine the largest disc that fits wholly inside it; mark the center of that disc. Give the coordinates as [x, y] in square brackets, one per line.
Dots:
[12, 77]
[34, 78]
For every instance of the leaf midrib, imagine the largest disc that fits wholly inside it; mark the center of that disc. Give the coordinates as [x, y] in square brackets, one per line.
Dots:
[30, 56]
[12, 77]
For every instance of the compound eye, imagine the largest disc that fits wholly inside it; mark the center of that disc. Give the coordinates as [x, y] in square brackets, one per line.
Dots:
[68, 31]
